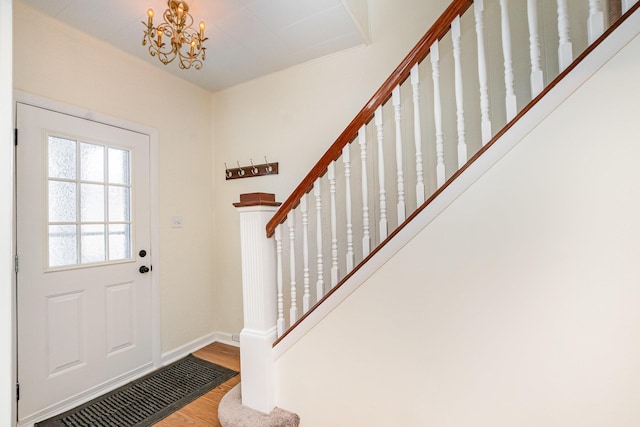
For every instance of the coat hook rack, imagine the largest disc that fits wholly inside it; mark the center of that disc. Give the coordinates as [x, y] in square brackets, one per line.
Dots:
[266, 168]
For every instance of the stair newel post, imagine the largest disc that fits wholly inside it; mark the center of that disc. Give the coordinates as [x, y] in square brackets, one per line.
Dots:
[457, 59]
[259, 295]
[595, 23]
[317, 193]
[537, 77]
[485, 123]
[417, 134]
[366, 237]
[401, 207]
[293, 310]
[511, 104]
[382, 191]
[334, 224]
[346, 159]
[565, 47]
[434, 55]
[306, 297]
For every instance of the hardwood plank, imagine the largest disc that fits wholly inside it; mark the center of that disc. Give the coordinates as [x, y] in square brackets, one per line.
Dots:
[203, 412]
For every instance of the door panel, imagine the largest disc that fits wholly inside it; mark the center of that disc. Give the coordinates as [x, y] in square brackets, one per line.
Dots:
[84, 308]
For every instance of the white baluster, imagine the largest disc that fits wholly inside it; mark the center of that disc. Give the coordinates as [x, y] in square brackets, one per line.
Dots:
[279, 281]
[306, 297]
[537, 77]
[626, 5]
[417, 134]
[334, 224]
[366, 238]
[437, 113]
[565, 48]
[293, 311]
[395, 95]
[383, 197]
[595, 23]
[511, 104]
[462, 144]
[346, 159]
[485, 121]
[317, 192]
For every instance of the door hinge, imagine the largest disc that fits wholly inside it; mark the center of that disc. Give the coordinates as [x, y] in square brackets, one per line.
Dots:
[17, 391]
[16, 263]
[15, 136]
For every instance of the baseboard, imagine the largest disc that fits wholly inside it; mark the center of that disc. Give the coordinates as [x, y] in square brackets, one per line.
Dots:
[188, 348]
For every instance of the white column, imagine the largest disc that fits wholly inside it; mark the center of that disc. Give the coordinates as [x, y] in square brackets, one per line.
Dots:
[346, 159]
[595, 23]
[279, 280]
[565, 47]
[485, 121]
[306, 296]
[334, 224]
[317, 192]
[537, 77]
[510, 97]
[383, 196]
[417, 134]
[366, 237]
[401, 208]
[457, 60]
[437, 112]
[259, 303]
[293, 310]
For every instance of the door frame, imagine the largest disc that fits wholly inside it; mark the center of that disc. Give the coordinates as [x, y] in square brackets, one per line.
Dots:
[152, 133]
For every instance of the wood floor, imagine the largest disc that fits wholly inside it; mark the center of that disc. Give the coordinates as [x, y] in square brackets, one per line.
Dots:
[204, 411]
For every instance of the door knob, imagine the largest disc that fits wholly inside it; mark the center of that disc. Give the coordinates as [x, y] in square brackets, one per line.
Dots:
[143, 269]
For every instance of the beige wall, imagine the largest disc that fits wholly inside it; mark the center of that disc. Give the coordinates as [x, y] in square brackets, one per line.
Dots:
[56, 62]
[292, 117]
[524, 312]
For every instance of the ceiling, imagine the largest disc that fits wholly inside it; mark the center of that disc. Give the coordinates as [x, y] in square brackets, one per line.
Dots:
[247, 38]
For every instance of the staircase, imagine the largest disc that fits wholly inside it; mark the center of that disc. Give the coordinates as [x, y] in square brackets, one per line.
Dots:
[453, 196]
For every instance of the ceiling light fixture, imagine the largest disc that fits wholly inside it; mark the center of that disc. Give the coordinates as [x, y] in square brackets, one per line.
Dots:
[175, 37]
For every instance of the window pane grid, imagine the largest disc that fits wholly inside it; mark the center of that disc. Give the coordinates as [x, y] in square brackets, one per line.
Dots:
[89, 194]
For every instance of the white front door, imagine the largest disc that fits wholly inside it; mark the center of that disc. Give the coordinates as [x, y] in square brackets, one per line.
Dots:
[83, 242]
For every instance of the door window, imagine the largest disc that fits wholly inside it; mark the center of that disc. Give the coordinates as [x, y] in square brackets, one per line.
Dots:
[89, 203]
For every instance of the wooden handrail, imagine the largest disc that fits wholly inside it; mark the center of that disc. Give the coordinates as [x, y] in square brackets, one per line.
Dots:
[399, 75]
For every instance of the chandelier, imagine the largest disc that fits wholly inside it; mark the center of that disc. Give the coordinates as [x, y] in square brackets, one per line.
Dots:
[175, 37]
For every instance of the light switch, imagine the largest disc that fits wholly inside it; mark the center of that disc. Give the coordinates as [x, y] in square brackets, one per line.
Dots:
[176, 222]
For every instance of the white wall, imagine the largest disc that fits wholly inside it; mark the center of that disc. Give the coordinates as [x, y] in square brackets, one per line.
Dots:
[57, 62]
[292, 117]
[521, 307]
[7, 354]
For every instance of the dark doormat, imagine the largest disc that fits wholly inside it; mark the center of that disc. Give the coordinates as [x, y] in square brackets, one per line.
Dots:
[149, 399]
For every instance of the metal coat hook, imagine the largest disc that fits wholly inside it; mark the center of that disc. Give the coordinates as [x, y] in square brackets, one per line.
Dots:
[269, 168]
[227, 172]
[241, 172]
[254, 169]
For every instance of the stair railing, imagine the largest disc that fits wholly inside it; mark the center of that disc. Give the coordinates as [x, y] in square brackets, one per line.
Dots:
[471, 74]
[476, 72]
